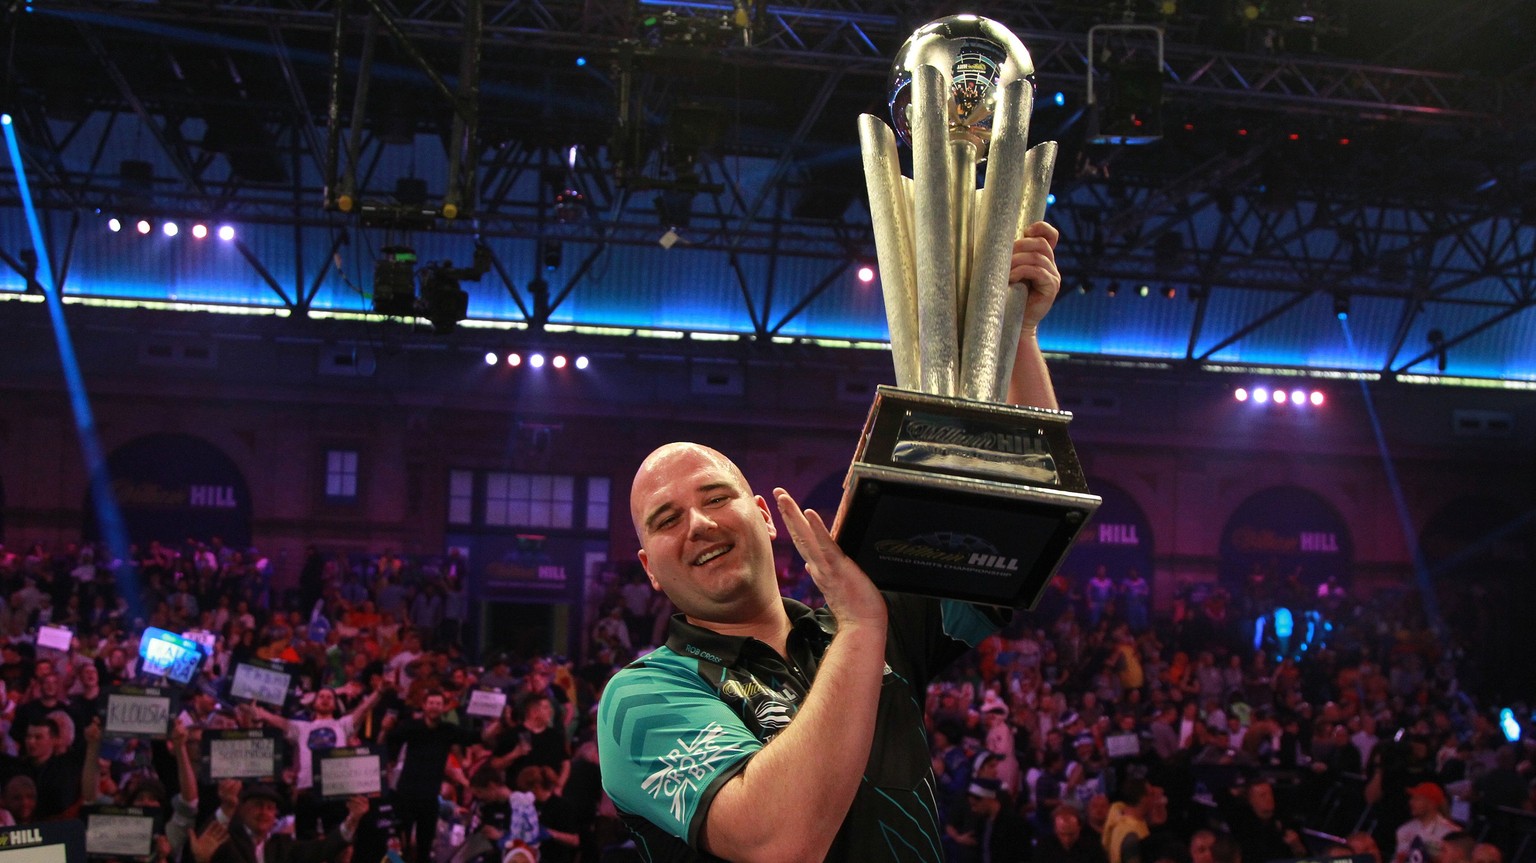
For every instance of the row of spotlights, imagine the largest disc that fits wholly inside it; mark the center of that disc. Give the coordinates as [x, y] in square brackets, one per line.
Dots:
[536, 360]
[170, 229]
[1264, 395]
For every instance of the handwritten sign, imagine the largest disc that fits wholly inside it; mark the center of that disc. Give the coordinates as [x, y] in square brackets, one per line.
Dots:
[55, 637]
[345, 771]
[263, 683]
[119, 831]
[486, 702]
[134, 711]
[169, 655]
[242, 754]
[1122, 746]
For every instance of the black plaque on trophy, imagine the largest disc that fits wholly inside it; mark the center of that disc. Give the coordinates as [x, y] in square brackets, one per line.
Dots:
[961, 499]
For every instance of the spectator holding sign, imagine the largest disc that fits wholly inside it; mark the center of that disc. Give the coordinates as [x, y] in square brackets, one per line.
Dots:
[324, 730]
[250, 812]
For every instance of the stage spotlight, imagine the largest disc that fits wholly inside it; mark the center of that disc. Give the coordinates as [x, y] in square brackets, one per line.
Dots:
[114, 224]
[226, 233]
[536, 360]
[1341, 306]
[1279, 397]
[170, 229]
[1317, 399]
[143, 226]
[1060, 98]
[1144, 290]
[866, 273]
[200, 231]
[1113, 289]
[1170, 291]
[514, 359]
[1260, 395]
[491, 358]
[559, 361]
[1050, 198]
[1085, 287]
[1240, 394]
[1298, 398]
[582, 362]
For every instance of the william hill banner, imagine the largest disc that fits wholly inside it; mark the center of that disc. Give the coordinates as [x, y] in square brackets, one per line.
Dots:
[174, 486]
[1286, 530]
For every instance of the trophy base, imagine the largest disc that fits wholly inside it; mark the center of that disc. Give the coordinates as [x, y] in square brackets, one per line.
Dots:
[963, 500]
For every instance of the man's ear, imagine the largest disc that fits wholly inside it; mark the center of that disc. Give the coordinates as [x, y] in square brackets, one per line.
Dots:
[645, 562]
[767, 512]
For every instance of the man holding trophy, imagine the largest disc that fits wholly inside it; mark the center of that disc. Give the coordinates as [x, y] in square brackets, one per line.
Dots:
[764, 730]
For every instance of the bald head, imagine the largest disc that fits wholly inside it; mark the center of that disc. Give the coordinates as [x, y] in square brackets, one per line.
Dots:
[663, 462]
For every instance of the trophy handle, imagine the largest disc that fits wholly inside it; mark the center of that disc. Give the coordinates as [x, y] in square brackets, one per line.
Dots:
[934, 233]
[890, 210]
[991, 334]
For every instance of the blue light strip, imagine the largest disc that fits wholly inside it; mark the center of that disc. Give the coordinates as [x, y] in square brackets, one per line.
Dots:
[108, 515]
[1420, 565]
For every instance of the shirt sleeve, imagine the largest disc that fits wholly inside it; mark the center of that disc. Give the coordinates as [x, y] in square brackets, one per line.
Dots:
[933, 633]
[667, 743]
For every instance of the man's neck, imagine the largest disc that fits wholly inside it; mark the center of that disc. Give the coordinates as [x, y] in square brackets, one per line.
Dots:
[770, 626]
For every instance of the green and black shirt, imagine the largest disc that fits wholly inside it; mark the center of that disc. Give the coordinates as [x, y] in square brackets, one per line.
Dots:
[679, 722]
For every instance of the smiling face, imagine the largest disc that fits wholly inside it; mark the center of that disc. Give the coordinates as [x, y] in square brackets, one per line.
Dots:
[705, 539]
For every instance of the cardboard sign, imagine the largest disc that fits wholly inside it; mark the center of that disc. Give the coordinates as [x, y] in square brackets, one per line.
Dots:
[55, 637]
[243, 754]
[260, 682]
[120, 831]
[139, 711]
[345, 771]
[1122, 746]
[486, 701]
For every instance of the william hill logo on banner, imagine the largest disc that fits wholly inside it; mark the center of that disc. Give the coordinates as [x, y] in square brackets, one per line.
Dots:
[212, 496]
[1319, 542]
[24, 836]
[1118, 534]
[153, 495]
[917, 551]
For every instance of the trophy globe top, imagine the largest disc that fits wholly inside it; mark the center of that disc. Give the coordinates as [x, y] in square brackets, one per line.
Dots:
[978, 56]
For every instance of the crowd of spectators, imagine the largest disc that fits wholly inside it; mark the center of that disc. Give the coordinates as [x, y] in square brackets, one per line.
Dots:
[1088, 731]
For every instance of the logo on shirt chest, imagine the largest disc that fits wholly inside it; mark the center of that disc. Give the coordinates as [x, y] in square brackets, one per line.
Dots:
[766, 710]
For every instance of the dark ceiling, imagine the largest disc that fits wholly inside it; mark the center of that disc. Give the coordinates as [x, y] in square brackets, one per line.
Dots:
[1381, 149]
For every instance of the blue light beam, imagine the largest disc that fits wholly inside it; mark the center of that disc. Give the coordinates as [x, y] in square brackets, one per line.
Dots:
[108, 515]
[1400, 502]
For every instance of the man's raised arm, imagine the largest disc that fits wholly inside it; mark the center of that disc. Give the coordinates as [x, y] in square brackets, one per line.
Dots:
[769, 811]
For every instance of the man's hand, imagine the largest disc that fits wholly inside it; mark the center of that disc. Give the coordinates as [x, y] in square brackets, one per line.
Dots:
[357, 807]
[206, 844]
[1034, 265]
[849, 592]
[229, 794]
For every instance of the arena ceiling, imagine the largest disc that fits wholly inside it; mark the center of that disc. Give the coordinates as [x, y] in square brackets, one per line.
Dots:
[1316, 156]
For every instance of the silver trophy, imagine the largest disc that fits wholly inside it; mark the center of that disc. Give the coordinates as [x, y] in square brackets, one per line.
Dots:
[953, 493]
